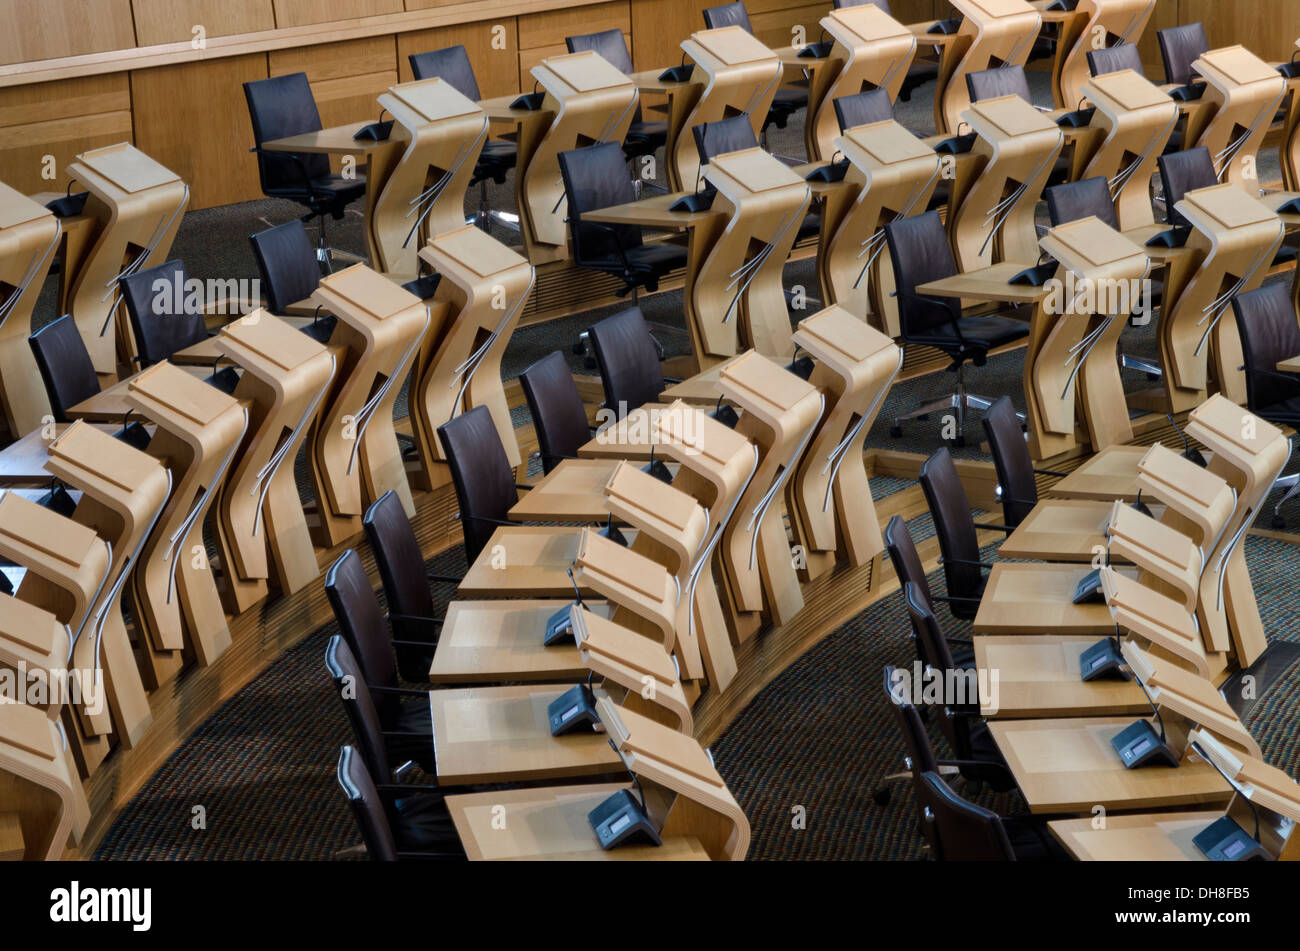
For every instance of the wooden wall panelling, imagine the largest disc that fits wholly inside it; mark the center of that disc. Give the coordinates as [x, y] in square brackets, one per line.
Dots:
[658, 28]
[1268, 28]
[46, 29]
[346, 78]
[774, 20]
[60, 119]
[497, 70]
[193, 119]
[173, 21]
[542, 34]
[304, 12]
[1165, 15]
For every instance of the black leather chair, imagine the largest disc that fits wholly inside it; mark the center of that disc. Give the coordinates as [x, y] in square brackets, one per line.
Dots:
[280, 107]
[69, 374]
[1114, 59]
[559, 417]
[1180, 46]
[919, 252]
[499, 156]
[787, 101]
[966, 832]
[907, 568]
[996, 83]
[287, 265]
[628, 360]
[166, 319]
[976, 753]
[1088, 197]
[643, 138]
[918, 753]
[596, 177]
[863, 108]
[1183, 172]
[414, 827]
[1017, 488]
[1270, 333]
[357, 611]
[411, 613]
[481, 472]
[954, 525]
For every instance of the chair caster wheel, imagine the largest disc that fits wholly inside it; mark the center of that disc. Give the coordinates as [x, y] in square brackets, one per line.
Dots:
[959, 442]
[579, 348]
[1277, 523]
[881, 796]
[895, 432]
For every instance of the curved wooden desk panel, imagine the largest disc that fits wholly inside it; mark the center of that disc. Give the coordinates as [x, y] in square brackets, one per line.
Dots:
[29, 235]
[1096, 24]
[992, 33]
[1242, 95]
[38, 782]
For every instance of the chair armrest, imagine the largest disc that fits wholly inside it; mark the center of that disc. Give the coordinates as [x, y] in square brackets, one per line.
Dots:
[399, 691]
[296, 159]
[960, 640]
[414, 619]
[1008, 529]
[1052, 472]
[950, 598]
[523, 487]
[963, 561]
[489, 520]
[442, 579]
[618, 242]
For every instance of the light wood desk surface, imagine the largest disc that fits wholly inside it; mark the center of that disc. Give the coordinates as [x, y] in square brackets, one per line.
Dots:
[1144, 837]
[1107, 475]
[987, 284]
[1036, 599]
[537, 559]
[494, 641]
[632, 437]
[1291, 365]
[498, 109]
[110, 405]
[653, 212]
[551, 824]
[1060, 530]
[497, 734]
[704, 387]
[22, 462]
[574, 491]
[336, 140]
[1039, 677]
[1070, 766]
[647, 80]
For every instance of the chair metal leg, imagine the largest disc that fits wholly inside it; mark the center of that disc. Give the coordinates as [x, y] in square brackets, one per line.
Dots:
[1292, 485]
[1149, 367]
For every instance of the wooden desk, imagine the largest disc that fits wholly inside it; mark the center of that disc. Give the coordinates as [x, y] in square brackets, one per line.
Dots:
[503, 734]
[1036, 598]
[1038, 676]
[681, 99]
[12, 847]
[378, 159]
[109, 405]
[986, 284]
[632, 437]
[22, 463]
[992, 33]
[1105, 476]
[1070, 766]
[1115, 21]
[1143, 837]
[1067, 530]
[550, 824]
[574, 491]
[1291, 365]
[537, 560]
[494, 641]
[1242, 96]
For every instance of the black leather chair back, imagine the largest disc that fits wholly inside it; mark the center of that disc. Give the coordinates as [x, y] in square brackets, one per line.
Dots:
[356, 608]
[955, 528]
[883, 4]
[1270, 333]
[729, 14]
[287, 264]
[279, 107]
[933, 650]
[1113, 59]
[556, 406]
[919, 252]
[359, 705]
[66, 368]
[863, 108]
[451, 65]
[628, 361]
[903, 556]
[999, 82]
[398, 557]
[367, 806]
[966, 832]
[1011, 461]
[596, 177]
[481, 472]
[732, 134]
[1180, 46]
[916, 743]
[163, 316]
[1183, 172]
[1086, 198]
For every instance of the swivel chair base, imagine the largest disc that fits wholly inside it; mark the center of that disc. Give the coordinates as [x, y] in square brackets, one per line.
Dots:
[960, 400]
